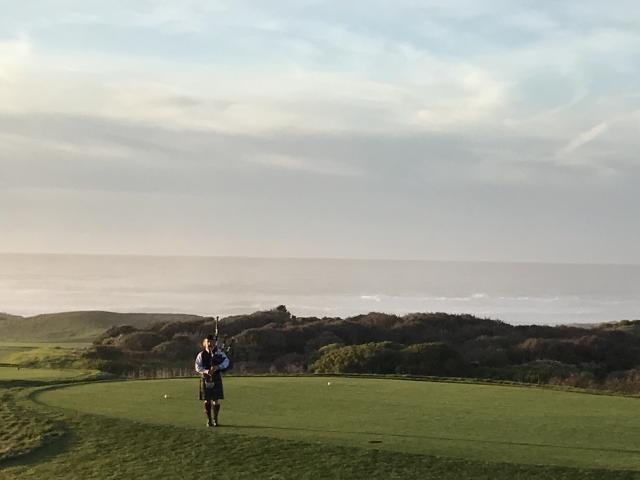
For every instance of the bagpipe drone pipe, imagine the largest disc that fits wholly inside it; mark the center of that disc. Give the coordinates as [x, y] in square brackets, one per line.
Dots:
[220, 351]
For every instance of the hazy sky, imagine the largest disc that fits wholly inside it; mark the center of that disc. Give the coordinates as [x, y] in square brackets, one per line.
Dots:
[477, 130]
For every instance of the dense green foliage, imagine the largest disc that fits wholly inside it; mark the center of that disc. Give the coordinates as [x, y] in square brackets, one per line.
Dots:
[435, 344]
[388, 357]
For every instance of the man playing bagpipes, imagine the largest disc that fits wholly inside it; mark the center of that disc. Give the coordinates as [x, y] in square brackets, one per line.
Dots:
[210, 362]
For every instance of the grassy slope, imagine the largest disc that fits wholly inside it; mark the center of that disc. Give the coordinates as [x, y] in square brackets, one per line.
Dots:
[97, 447]
[49, 355]
[7, 351]
[478, 422]
[21, 431]
[76, 326]
[101, 448]
[43, 375]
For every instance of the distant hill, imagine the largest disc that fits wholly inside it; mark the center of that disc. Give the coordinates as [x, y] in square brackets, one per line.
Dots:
[77, 326]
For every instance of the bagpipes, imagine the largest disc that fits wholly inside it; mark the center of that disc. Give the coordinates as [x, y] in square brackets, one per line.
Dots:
[226, 347]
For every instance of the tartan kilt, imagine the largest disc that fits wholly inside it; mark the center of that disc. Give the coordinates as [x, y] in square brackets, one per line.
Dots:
[214, 392]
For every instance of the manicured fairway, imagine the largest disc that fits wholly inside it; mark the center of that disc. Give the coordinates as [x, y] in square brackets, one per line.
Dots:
[42, 374]
[7, 351]
[478, 422]
[50, 355]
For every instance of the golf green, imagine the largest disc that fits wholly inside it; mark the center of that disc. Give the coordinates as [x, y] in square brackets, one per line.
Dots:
[478, 422]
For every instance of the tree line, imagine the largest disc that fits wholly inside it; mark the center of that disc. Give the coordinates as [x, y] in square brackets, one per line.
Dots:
[435, 344]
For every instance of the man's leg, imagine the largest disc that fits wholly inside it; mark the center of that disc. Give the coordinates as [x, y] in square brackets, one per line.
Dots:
[216, 410]
[207, 409]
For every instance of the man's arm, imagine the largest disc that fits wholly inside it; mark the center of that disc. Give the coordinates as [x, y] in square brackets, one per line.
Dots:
[199, 367]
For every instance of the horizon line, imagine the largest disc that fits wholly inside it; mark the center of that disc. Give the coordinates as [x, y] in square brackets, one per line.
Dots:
[358, 259]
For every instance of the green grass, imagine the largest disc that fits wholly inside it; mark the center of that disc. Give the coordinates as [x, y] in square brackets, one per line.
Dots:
[300, 428]
[105, 448]
[8, 351]
[97, 447]
[81, 326]
[46, 354]
[22, 430]
[43, 375]
[50, 357]
[476, 422]
[36, 344]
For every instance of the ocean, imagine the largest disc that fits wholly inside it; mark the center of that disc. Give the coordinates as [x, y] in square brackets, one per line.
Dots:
[517, 293]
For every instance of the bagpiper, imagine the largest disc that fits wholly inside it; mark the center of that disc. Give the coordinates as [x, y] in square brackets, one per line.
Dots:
[210, 363]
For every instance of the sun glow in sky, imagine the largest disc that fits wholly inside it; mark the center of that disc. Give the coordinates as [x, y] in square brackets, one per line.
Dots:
[493, 130]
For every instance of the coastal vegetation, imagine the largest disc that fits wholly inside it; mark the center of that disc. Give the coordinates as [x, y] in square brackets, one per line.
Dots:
[605, 356]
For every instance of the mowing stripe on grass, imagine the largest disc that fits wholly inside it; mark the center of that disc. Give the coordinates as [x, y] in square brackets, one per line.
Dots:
[479, 422]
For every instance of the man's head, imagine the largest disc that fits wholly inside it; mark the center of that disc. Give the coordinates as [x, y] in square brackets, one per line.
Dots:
[208, 342]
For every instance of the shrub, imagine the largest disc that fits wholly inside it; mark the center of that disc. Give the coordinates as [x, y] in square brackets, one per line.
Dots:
[104, 352]
[181, 347]
[539, 371]
[289, 363]
[435, 358]
[139, 341]
[380, 357]
[108, 337]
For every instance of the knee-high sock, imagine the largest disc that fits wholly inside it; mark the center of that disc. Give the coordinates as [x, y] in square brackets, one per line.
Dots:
[207, 409]
[216, 410]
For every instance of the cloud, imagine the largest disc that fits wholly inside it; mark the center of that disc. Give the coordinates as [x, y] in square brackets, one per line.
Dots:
[13, 145]
[413, 115]
[314, 166]
[250, 99]
[582, 139]
[470, 96]
[14, 55]
[322, 73]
